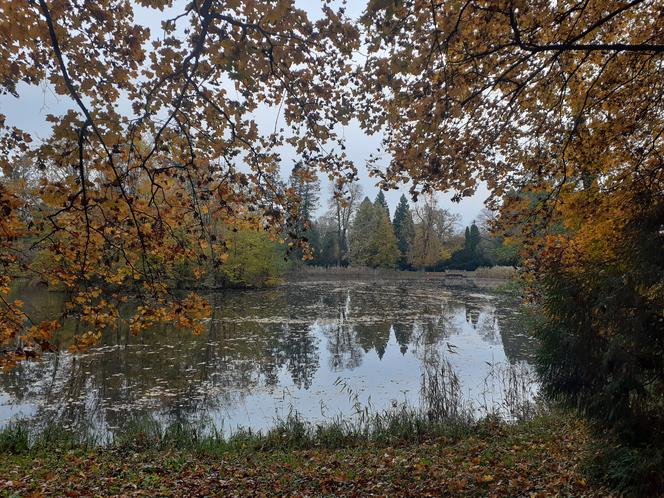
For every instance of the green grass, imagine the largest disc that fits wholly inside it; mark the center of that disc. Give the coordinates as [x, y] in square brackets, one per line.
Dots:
[292, 433]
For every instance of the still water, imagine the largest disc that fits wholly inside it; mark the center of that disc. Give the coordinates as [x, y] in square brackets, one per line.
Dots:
[320, 349]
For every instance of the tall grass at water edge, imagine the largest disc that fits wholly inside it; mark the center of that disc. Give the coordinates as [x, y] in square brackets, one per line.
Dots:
[443, 411]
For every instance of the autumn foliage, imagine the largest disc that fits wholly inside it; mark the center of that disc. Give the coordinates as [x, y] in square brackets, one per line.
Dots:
[555, 106]
[160, 161]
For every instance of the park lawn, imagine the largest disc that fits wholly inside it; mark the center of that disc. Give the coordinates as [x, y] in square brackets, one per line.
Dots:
[544, 457]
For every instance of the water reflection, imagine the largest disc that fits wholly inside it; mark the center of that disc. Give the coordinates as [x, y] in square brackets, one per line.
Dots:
[268, 352]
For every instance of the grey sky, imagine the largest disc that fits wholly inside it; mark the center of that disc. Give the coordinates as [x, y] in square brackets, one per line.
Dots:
[28, 113]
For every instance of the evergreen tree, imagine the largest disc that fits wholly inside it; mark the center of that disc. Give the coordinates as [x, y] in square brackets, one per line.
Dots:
[315, 242]
[466, 241]
[329, 249]
[273, 189]
[474, 241]
[362, 234]
[494, 246]
[325, 241]
[471, 240]
[404, 230]
[382, 202]
[386, 247]
[305, 188]
[471, 256]
[373, 242]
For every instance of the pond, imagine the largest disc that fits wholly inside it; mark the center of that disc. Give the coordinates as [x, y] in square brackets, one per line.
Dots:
[320, 349]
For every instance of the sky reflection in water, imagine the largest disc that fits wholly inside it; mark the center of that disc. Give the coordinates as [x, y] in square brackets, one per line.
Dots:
[268, 353]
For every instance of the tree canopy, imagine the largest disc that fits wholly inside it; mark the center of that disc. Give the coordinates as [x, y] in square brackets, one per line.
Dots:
[160, 143]
[521, 95]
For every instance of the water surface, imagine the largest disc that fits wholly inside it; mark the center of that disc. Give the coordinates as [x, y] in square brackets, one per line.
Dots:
[320, 349]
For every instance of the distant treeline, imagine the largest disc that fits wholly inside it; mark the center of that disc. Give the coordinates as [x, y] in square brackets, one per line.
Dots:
[424, 236]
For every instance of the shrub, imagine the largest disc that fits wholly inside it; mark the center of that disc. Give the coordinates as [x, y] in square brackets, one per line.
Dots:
[602, 340]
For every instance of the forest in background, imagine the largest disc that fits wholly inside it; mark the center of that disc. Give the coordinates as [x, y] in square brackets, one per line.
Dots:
[358, 232]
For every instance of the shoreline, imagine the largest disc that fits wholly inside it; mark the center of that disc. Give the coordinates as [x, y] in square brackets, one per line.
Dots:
[541, 457]
[482, 278]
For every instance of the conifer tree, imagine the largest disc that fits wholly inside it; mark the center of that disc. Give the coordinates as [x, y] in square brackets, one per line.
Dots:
[305, 189]
[474, 239]
[373, 242]
[361, 234]
[471, 256]
[382, 202]
[466, 240]
[404, 230]
[385, 242]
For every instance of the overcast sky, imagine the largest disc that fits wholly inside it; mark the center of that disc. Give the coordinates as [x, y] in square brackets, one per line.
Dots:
[29, 110]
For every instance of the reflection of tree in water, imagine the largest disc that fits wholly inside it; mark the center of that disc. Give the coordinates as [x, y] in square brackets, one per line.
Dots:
[252, 338]
[345, 353]
[296, 348]
[424, 336]
[430, 331]
[373, 336]
[473, 311]
[280, 343]
[166, 371]
[485, 321]
[518, 343]
[427, 335]
[502, 322]
[403, 332]
[170, 374]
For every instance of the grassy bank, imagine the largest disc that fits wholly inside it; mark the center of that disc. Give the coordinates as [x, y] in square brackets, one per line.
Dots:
[541, 457]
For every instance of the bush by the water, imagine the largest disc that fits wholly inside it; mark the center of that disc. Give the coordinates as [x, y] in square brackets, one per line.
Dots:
[603, 347]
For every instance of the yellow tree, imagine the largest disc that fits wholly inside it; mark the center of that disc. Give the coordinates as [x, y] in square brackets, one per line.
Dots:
[161, 141]
[557, 108]
[518, 94]
[434, 228]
